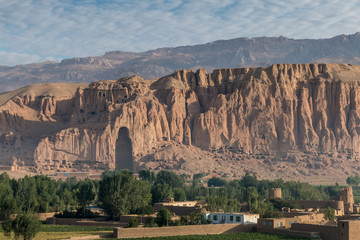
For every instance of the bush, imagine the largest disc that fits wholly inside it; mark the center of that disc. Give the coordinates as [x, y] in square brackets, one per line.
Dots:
[184, 220]
[133, 223]
[149, 222]
[26, 225]
[7, 227]
[196, 218]
[329, 214]
[163, 217]
[80, 213]
[216, 182]
[198, 176]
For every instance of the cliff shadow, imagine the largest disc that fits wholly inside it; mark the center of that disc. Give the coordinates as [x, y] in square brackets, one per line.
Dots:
[123, 150]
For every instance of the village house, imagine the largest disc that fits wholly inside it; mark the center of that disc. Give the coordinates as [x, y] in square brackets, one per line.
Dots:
[242, 218]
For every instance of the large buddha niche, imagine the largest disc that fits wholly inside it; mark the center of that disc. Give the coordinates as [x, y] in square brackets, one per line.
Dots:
[123, 150]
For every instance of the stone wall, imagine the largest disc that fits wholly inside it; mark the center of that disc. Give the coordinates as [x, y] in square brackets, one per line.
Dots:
[83, 222]
[182, 230]
[326, 232]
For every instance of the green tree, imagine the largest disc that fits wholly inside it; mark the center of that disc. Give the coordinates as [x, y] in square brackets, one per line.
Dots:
[329, 214]
[66, 190]
[163, 218]
[26, 225]
[67, 198]
[252, 198]
[85, 193]
[216, 203]
[46, 192]
[216, 182]
[179, 194]
[7, 201]
[267, 210]
[120, 193]
[160, 192]
[232, 205]
[147, 175]
[353, 180]
[7, 227]
[26, 195]
[170, 178]
[249, 180]
[145, 210]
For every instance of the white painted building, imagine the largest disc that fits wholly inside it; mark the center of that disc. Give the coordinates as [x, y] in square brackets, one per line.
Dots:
[242, 218]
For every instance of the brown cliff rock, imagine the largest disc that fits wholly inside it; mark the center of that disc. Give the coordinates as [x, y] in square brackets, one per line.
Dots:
[286, 120]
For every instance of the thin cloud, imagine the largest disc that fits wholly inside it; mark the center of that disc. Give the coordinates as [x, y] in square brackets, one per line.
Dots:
[13, 58]
[45, 29]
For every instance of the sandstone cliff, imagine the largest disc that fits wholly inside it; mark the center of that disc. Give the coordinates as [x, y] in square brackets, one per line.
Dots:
[285, 120]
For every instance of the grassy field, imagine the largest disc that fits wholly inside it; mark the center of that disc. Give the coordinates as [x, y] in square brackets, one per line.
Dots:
[63, 232]
[232, 236]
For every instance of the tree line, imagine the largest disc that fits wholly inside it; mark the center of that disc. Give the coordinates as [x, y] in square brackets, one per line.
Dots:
[120, 192]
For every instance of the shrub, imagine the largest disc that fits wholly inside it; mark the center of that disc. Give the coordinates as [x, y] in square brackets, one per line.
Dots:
[216, 182]
[329, 214]
[26, 225]
[163, 217]
[133, 223]
[149, 222]
[7, 228]
[80, 213]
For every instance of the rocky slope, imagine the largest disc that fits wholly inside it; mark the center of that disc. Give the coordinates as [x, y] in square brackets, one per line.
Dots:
[240, 52]
[286, 120]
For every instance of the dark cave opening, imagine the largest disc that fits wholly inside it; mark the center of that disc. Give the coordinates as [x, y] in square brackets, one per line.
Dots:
[123, 150]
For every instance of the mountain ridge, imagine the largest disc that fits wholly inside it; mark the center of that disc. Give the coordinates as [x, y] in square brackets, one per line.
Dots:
[233, 53]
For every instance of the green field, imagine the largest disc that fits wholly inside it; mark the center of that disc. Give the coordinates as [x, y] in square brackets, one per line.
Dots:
[64, 231]
[66, 228]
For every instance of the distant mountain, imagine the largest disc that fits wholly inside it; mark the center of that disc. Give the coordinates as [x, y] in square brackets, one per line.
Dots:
[239, 52]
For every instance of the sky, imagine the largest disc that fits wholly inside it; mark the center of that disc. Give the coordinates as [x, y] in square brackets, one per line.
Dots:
[41, 30]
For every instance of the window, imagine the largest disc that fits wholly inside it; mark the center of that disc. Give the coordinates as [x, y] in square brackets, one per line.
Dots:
[270, 224]
[279, 224]
[238, 219]
[231, 218]
[263, 223]
[215, 217]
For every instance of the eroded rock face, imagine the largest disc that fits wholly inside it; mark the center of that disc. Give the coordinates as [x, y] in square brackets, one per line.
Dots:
[299, 116]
